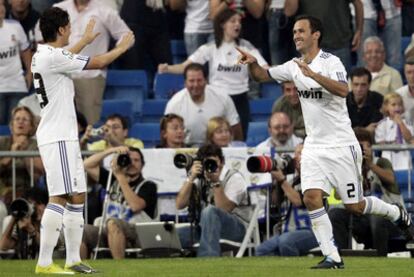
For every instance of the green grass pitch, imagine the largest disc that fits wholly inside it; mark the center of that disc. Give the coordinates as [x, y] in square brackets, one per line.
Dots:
[254, 266]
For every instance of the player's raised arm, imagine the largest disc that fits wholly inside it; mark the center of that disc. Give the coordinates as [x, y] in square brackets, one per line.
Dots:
[333, 86]
[101, 61]
[86, 39]
[257, 72]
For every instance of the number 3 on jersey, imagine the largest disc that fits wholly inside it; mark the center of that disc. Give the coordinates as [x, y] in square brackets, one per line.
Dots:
[40, 90]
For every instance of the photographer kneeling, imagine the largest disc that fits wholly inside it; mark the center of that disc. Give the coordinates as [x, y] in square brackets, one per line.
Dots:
[222, 193]
[132, 199]
[22, 232]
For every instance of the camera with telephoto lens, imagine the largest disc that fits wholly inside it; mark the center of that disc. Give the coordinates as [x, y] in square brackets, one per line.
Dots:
[184, 160]
[123, 160]
[260, 164]
[21, 208]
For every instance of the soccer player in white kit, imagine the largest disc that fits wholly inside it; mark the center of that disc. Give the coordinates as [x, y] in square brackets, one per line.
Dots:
[57, 136]
[331, 157]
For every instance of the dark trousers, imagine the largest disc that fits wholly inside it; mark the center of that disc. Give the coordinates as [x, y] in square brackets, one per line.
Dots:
[241, 102]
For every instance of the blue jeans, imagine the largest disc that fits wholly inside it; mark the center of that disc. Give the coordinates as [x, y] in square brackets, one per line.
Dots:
[195, 40]
[8, 101]
[391, 37]
[293, 243]
[215, 224]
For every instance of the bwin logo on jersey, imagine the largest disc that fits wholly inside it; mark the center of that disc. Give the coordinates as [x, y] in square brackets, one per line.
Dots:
[234, 68]
[9, 53]
[313, 94]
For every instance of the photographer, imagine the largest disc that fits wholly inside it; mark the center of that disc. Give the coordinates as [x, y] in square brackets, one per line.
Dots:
[22, 232]
[223, 193]
[132, 199]
[377, 176]
[294, 236]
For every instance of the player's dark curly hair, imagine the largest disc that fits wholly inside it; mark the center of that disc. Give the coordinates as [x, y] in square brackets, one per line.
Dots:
[315, 25]
[50, 22]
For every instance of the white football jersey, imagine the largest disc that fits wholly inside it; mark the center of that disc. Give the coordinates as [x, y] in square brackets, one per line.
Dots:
[326, 116]
[51, 68]
[225, 74]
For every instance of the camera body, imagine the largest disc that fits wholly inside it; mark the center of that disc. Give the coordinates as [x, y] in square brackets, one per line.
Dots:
[21, 208]
[96, 132]
[123, 160]
[184, 160]
[261, 164]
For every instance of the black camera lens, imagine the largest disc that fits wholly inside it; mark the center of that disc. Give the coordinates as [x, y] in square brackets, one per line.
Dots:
[183, 160]
[210, 165]
[123, 160]
[20, 208]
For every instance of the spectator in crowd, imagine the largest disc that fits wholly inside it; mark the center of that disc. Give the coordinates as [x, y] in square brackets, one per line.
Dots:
[226, 76]
[23, 127]
[338, 38]
[364, 105]
[150, 26]
[23, 230]
[115, 133]
[394, 129]
[280, 27]
[198, 102]
[385, 79]
[281, 132]
[90, 84]
[289, 103]
[172, 131]
[382, 18]
[294, 236]
[221, 210]
[132, 199]
[407, 91]
[14, 51]
[251, 12]
[198, 28]
[219, 132]
[22, 11]
[374, 231]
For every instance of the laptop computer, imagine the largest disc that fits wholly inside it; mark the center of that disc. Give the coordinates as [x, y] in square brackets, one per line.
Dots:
[158, 239]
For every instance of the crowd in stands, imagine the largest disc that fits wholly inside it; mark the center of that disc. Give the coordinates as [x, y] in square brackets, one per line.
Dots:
[211, 111]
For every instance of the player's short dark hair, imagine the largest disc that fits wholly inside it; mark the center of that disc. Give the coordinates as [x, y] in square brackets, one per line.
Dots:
[315, 25]
[50, 22]
[123, 119]
[363, 134]
[361, 72]
[210, 150]
[194, 67]
[134, 149]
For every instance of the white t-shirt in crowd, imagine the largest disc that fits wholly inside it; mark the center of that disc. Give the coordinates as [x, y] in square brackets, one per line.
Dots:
[224, 72]
[54, 87]
[408, 101]
[196, 20]
[326, 116]
[196, 116]
[13, 40]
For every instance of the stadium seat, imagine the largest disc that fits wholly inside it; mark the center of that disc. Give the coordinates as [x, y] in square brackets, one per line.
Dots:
[131, 85]
[153, 110]
[4, 130]
[148, 132]
[178, 51]
[271, 90]
[257, 133]
[166, 84]
[403, 180]
[260, 109]
[122, 107]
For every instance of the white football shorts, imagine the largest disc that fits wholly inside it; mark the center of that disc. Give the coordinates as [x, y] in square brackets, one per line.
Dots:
[336, 167]
[63, 163]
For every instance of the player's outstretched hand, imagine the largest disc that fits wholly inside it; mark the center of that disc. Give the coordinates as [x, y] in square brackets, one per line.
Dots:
[127, 41]
[89, 35]
[304, 68]
[245, 57]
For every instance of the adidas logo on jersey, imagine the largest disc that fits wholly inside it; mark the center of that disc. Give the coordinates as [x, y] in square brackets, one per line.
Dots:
[313, 94]
[234, 68]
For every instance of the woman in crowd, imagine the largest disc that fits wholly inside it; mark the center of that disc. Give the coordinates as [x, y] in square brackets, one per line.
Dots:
[22, 127]
[219, 133]
[225, 74]
[172, 132]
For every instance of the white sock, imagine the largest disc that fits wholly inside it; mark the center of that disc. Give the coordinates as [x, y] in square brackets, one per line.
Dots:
[322, 228]
[376, 206]
[50, 228]
[73, 223]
